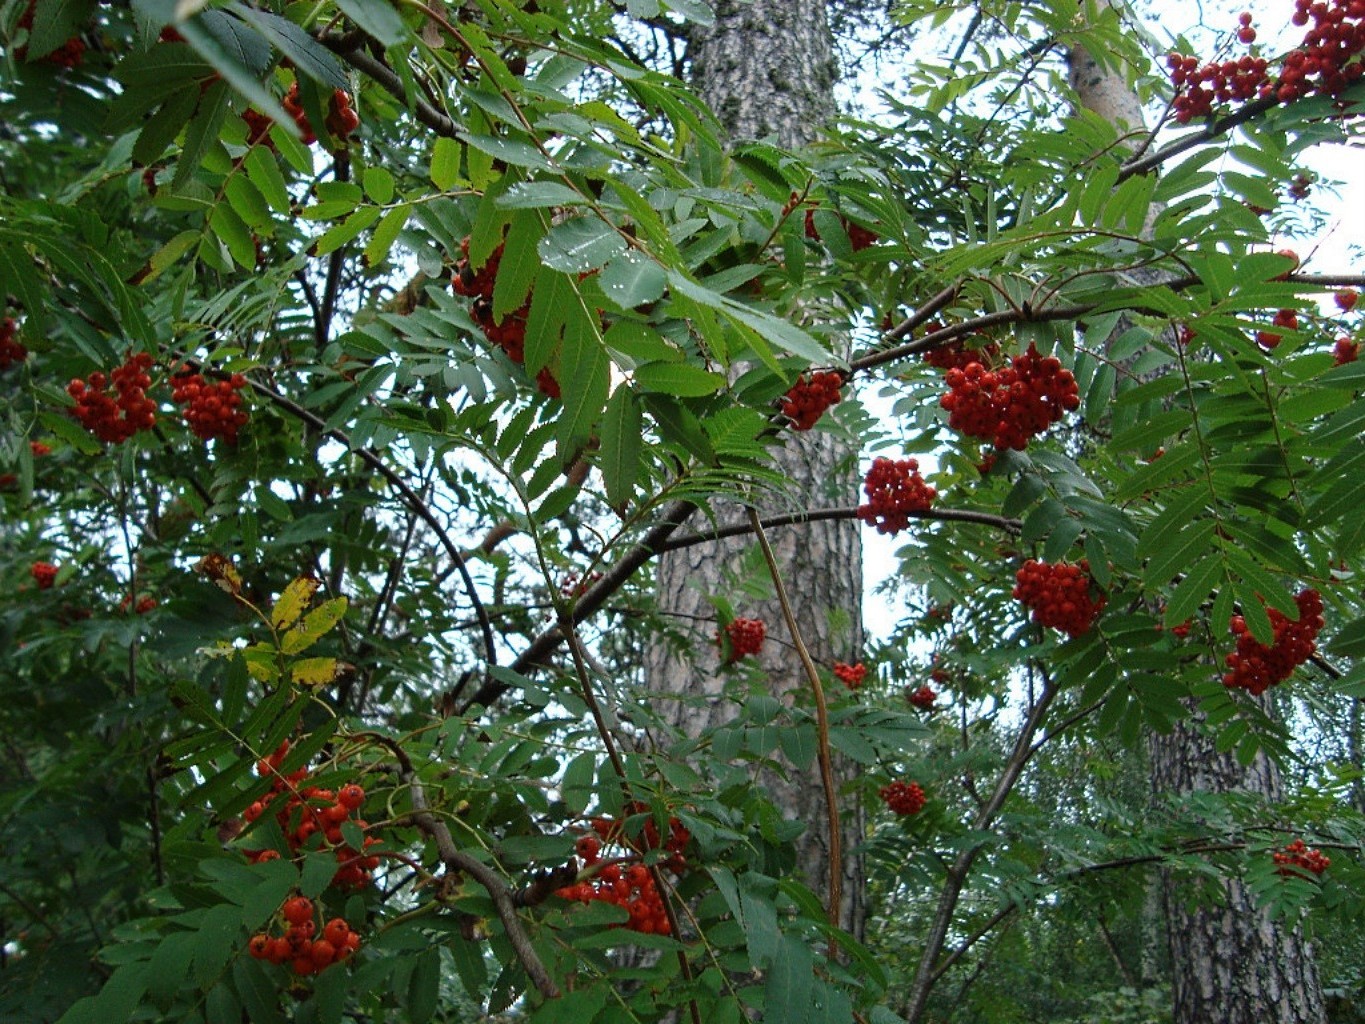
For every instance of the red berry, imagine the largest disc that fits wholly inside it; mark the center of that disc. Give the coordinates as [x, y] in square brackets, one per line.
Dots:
[298, 911]
[903, 798]
[351, 796]
[1059, 595]
[746, 637]
[1346, 299]
[44, 574]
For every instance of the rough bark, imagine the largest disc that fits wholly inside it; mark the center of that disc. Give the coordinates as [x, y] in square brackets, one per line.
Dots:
[767, 69]
[1230, 963]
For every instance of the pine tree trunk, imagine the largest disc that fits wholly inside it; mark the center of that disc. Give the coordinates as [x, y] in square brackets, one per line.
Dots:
[1230, 964]
[767, 69]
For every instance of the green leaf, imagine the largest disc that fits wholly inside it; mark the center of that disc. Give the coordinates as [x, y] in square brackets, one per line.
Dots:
[535, 195]
[237, 53]
[584, 379]
[308, 56]
[512, 151]
[445, 163]
[518, 267]
[632, 279]
[680, 379]
[619, 458]
[385, 233]
[580, 244]
[169, 255]
[577, 786]
[232, 232]
[378, 18]
[378, 184]
[787, 992]
[160, 130]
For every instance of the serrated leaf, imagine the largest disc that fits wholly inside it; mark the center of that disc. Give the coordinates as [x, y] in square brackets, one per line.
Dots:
[313, 671]
[518, 267]
[314, 625]
[632, 279]
[580, 244]
[682, 380]
[533, 195]
[584, 379]
[385, 233]
[378, 18]
[292, 602]
[445, 163]
[309, 57]
[619, 460]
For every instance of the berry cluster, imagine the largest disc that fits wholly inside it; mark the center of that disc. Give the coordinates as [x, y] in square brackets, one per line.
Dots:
[922, 698]
[957, 354]
[851, 676]
[144, 604]
[1324, 63]
[1286, 318]
[614, 832]
[212, 408]
[808, 399]
[1298, 857]
[310, 811]
[1345, 351]
[44, 574]
[510, 334]
[1010, 405]
[894, 491]
[11, 351]
[341, 117]
[741, 637]
[1254, 666]
[257, 132]
[294, 108]
[302, 945]
[1059, 595]
[114, 420]
[630, 887]
[903, 798]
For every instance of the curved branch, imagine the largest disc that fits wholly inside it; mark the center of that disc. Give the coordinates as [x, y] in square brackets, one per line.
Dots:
[954, 515]
[456, 859]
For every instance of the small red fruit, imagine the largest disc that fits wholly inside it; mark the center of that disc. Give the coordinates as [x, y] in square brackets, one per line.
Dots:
[1346, 299]
[351, 796]
[298, 910]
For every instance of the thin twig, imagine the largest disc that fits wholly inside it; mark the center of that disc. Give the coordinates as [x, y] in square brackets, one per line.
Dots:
[836, 858]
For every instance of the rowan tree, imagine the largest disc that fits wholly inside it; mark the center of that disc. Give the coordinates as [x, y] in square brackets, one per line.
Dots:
[362, 361]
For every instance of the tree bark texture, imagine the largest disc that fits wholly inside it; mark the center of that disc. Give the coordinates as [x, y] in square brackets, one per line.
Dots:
[767, 69]
[1230, 964]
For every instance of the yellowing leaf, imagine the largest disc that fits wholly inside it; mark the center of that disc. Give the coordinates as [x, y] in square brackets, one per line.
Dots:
[314, 625]
[293, 601]
[314, 671]
[261, 663]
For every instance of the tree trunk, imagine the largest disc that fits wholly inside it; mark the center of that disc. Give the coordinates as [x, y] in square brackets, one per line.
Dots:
[1230, 964]
[767, 69]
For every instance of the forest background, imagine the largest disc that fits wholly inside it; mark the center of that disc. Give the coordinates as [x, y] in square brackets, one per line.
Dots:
[437, 446]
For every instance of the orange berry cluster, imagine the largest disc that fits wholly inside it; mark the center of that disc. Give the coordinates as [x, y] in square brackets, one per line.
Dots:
[11, 351]
[851, 676]
[341, 117]
[631, 888]
[212, 408]
[894, 490]
[1323, 63]
[115, 420]
[903, 798]
[144, 604]
[1059, 595]
[302, 945]
[44, 574]
[808, 399]
[294, 108]
[1298, 855]
[745, 637]
[311, 811]
[957, 355]
[510, 335]
[1285, 318]
[1254, 666]
[1010, 405]
[922, 698]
